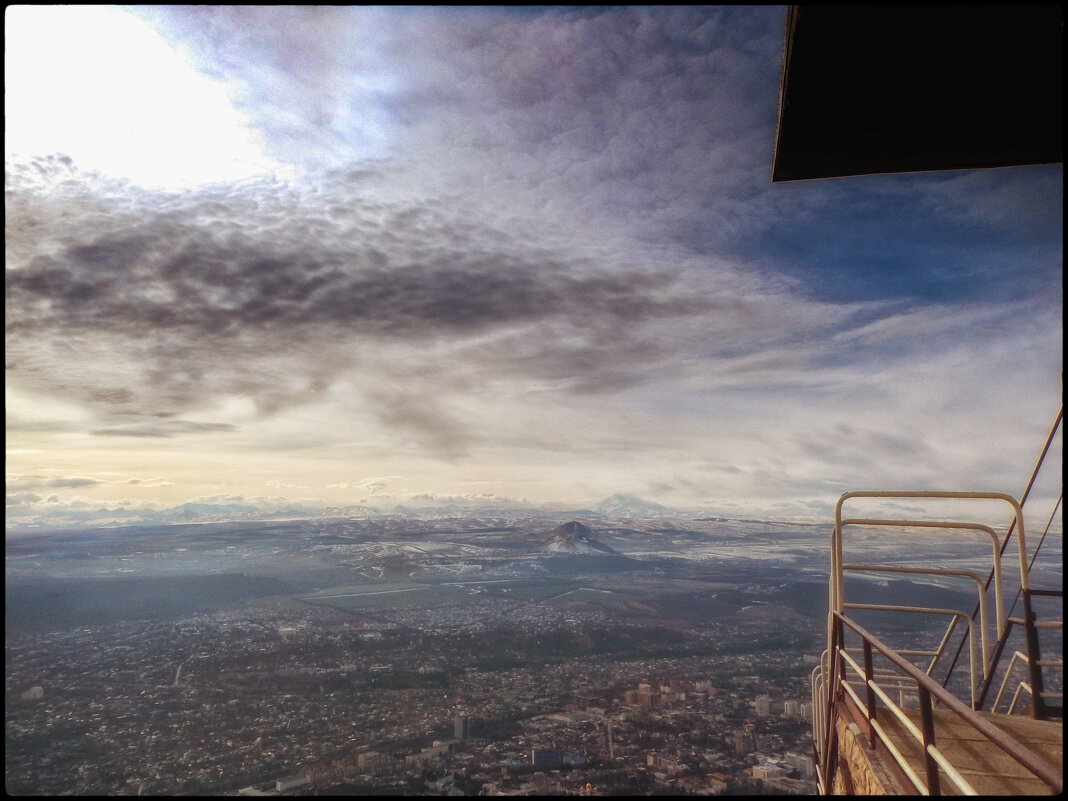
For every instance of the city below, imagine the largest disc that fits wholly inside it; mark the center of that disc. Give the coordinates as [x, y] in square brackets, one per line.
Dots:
[403, 656]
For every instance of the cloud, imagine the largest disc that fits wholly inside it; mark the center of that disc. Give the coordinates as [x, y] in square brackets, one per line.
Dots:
[27, 482]
[1029, 198]
[236, 292]
[561, 114]
[583, 148]
[150, 482]
[171, 428]
[374, 485]
[544, 241]
[377, 484]
[31, 511]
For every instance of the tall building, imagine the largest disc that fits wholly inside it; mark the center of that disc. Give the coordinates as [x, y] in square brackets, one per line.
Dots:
[802, 764]
[743, 742]
[763, 706]
[791, 709]
[462, 729]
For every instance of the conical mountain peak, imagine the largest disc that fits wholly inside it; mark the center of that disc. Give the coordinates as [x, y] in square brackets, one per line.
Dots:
[574, 537]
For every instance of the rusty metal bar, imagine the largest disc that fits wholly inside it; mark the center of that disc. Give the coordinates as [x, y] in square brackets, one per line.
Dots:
[899, 759]
[871, 692]
[927, 726]
[837, 644]
[1034, 654]
[954, 775]
[1048, 593]
[1038, 464]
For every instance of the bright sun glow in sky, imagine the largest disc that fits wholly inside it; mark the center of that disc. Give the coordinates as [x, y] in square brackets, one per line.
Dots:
[102, 87]
[268, 258]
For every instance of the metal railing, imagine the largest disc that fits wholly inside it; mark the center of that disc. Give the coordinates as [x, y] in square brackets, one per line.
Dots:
[980, 668]
[836, 683]
[832, 684]
[844, 673]
[819, 720]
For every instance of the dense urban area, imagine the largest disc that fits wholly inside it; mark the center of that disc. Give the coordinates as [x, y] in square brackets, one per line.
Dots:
[235, 703]
[404, 657]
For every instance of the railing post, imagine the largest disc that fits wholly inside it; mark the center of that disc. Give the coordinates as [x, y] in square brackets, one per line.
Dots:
[1034, 654]
[832, 690]
[869, 675]
[927, 720]
[839, 647]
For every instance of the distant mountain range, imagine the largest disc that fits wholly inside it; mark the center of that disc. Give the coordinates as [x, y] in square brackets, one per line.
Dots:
[234, 508]
[576, 538]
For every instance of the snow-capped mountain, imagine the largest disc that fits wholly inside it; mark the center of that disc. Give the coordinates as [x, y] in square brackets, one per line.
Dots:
[622, 505]
[576, 538]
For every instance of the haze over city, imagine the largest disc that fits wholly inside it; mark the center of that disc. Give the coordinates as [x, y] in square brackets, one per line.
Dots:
[308, 257]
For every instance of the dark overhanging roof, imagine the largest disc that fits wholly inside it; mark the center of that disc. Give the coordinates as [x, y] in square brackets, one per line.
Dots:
[884, 89]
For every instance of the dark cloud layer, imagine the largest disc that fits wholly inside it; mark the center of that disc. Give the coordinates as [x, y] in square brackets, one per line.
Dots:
[154, 309]
[167, 429]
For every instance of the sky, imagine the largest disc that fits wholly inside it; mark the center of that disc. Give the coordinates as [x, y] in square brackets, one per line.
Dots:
[312, 257]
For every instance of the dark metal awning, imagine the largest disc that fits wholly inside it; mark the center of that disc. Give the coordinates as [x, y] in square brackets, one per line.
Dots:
[883, 89]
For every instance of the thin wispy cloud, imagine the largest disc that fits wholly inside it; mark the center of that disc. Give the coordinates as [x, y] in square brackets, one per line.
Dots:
[45, 482]
[534, 248]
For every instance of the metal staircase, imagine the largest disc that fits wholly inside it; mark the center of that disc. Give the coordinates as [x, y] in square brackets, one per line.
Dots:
[882, 711]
